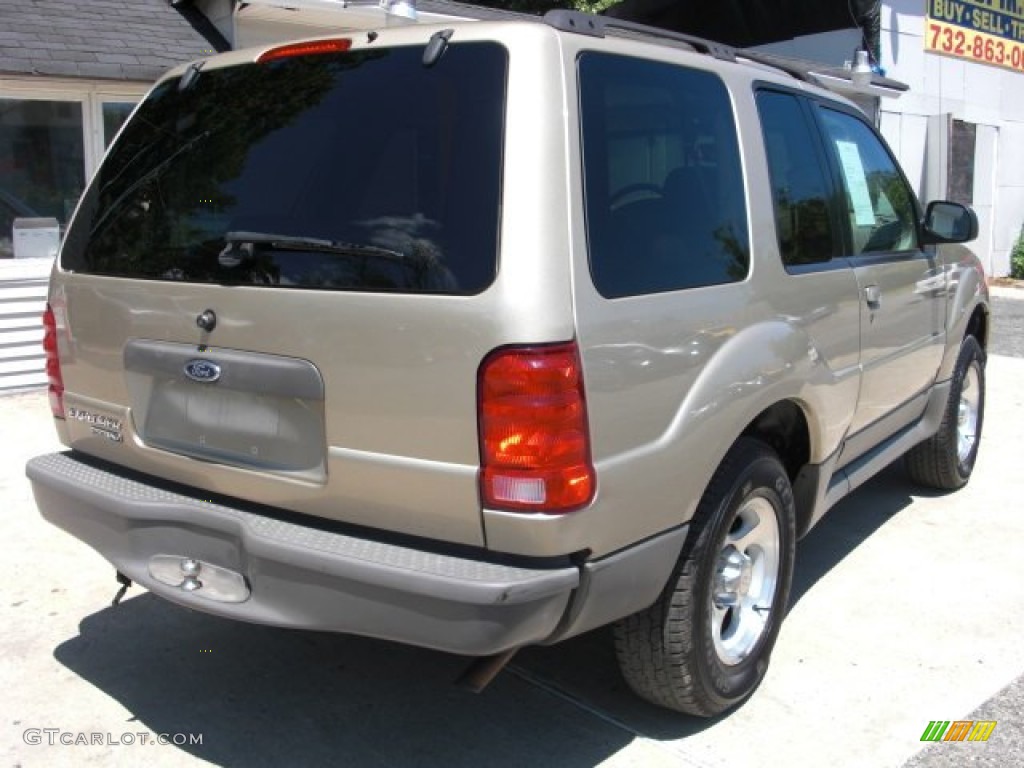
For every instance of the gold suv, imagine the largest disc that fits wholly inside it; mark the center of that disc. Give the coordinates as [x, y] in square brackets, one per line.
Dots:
[486, 335]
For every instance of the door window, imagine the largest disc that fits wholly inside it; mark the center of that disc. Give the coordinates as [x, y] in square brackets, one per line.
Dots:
[881, 206]
[800, 187]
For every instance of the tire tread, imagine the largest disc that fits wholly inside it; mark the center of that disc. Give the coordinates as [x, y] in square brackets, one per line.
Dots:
[656, 647]
[933, 463]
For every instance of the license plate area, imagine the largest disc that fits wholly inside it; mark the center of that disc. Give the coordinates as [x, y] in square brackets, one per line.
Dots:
[261, 411]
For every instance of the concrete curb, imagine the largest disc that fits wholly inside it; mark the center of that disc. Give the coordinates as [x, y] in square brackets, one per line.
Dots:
[1007, 291]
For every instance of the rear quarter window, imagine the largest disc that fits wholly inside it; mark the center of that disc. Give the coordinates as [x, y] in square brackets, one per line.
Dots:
[663, 184]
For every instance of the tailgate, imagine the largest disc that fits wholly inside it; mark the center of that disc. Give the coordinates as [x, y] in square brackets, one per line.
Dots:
[338, 406]
[276, 288]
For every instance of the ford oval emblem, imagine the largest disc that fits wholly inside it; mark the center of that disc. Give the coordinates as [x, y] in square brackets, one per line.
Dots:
[205, 371]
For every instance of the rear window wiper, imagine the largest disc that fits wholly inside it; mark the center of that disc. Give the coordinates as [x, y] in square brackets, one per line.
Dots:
[241, 246]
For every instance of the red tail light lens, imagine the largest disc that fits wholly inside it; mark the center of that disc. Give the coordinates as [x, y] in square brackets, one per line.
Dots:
[53, 374]
[338, 45]
[534, 441]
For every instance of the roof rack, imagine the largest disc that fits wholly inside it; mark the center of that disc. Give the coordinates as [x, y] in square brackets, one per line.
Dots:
[599, 26]
[789, 66]
[835, 79]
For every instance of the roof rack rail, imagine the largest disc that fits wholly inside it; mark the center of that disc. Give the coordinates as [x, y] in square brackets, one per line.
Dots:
[599, 26]
[836, 79]
[791, 68]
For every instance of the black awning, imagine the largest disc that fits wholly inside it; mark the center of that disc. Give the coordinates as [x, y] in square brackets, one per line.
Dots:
[744, 23]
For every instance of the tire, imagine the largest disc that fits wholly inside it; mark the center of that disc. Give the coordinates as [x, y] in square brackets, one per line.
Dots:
[946, 459]
[688, 652]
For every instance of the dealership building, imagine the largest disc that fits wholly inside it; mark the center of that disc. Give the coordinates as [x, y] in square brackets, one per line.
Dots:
[70, 73]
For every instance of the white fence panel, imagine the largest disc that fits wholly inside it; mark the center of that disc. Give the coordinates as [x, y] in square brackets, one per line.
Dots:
[23, 286]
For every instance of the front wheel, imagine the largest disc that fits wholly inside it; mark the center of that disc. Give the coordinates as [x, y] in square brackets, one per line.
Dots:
[704, 645]
[946, 459]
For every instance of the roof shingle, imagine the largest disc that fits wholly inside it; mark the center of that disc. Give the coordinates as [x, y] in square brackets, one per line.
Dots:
[109, 39]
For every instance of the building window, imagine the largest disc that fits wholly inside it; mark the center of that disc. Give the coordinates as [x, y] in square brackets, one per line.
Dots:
[42, 162]
[961, 162]
[114, 115]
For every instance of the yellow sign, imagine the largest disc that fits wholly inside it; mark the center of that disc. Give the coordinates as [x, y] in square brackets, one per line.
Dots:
[984, 31]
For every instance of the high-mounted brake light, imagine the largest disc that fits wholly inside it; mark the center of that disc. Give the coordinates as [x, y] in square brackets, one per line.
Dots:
[534, 439]
[338, 45]
[53, 374]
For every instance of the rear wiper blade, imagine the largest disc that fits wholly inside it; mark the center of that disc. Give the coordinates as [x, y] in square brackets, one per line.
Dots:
[237, 251]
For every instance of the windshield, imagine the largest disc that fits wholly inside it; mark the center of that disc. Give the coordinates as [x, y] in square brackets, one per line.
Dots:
[363, 170]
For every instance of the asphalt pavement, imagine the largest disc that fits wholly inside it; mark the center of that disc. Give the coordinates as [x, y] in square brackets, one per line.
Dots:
[1008, 329]
[1006, 707]
[905, 609]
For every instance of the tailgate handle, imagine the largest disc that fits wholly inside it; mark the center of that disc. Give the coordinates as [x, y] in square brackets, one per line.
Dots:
[207, 320]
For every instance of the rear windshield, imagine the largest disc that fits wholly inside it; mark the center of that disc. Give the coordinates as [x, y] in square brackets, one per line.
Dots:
[363, 170]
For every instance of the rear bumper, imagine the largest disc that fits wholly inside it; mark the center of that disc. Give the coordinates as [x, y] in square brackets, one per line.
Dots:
[299, 576]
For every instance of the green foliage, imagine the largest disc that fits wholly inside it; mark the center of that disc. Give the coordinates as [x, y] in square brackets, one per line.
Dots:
[1017, 258]
[595, 7]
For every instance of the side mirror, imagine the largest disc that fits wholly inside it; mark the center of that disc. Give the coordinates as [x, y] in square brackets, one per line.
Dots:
[946, 222]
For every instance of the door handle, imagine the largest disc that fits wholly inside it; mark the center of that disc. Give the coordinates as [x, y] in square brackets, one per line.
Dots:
[873, 296]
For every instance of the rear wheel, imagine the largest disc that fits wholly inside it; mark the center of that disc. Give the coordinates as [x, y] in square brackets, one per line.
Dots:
[946, 459]
[704, 645]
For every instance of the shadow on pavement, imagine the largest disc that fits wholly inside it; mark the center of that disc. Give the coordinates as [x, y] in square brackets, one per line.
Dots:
[266, 696]
[584, 668]
[850, 523]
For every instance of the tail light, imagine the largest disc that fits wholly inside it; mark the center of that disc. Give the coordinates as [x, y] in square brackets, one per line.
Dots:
[53, 375]
[338, 45]
[534, 441]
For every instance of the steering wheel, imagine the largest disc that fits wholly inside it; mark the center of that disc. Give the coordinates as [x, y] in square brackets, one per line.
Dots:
[633, 189]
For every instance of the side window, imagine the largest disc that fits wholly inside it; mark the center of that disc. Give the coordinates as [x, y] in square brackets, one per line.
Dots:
[881, 206]
[663, 184]
[800, 186]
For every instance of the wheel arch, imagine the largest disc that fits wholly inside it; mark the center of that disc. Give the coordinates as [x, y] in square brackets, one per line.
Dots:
[785, 428]
[967, 311]
[978, 326]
